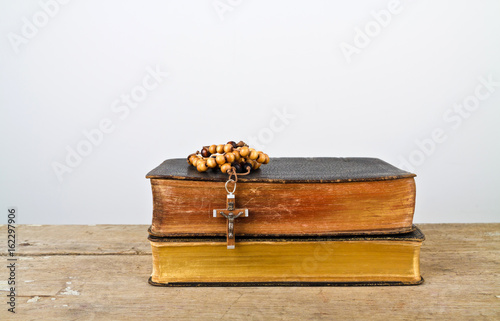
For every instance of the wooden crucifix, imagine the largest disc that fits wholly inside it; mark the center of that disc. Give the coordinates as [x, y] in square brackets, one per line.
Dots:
[231, 213]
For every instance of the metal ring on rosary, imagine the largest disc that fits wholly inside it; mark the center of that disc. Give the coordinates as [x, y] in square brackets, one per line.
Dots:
[234, 188]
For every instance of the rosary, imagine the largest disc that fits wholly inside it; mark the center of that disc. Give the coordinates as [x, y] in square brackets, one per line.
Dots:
[231, 158]
[224, 156]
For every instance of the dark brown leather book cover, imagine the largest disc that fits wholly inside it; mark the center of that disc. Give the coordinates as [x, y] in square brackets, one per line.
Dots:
[292, 170]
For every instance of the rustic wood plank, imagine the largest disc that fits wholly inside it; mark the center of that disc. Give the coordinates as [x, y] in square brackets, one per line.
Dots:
[460, 263]
[78, 239]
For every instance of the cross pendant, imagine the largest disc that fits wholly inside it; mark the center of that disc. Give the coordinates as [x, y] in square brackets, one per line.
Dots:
[231, 213]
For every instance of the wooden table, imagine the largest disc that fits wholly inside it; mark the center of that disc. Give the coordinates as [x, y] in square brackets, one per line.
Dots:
[82, 272]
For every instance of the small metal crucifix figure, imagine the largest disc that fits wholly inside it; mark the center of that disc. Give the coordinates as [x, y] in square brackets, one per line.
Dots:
[231, 213]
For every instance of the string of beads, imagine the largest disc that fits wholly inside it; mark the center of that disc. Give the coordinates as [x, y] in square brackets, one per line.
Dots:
[224, 156]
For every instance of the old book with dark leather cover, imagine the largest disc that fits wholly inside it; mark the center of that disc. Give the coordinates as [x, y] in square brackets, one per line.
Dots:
[286, 198]
[298, 261]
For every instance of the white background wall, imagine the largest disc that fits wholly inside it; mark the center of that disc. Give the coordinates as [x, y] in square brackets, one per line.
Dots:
[231, 69]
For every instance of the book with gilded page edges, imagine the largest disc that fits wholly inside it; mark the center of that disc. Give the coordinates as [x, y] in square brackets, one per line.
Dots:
[336, 260]
[301, 221]
[289, 197]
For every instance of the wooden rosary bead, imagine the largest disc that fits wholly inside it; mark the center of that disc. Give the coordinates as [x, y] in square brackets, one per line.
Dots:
[256, 165]
[220, 149]
[254, 155]
[211, 162]
[236, 155]
[220, 159]
[201, 166]
[237, 167]
[247, 167]
[191, 159]
[262, 158]
[233, 144]
[244, 151]
[212, 149]
[224, 168]
[241, 144]
[267, 159]
[230, 157]
[228, 148]
[205, 152]
[195, 161]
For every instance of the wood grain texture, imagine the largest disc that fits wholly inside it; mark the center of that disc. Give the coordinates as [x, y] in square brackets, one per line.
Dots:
[184, 208]
[79, 240]
[108, 281]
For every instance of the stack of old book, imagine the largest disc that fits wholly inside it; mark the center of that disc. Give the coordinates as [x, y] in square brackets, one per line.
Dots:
[308, 221]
